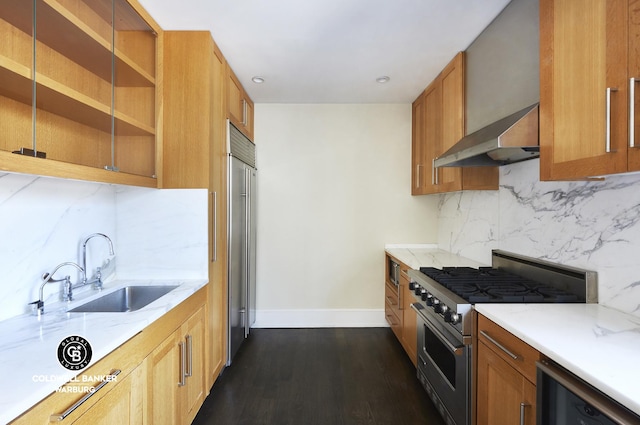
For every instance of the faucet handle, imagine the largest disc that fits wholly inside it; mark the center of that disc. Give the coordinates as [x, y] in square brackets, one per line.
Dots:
[37, 307]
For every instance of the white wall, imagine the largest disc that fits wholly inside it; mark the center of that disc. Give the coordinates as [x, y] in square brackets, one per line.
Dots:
[334, 187]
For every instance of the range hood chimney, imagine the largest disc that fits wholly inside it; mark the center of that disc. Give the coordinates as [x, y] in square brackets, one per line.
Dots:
[511, 139]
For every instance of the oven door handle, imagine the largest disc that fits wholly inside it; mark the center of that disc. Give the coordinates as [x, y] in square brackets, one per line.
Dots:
[457, 350]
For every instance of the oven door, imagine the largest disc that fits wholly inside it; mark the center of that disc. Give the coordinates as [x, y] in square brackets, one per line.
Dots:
[443, 368]
[562, 398]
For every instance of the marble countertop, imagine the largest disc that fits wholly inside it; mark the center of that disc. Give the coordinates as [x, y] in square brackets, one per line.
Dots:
[427, 255]
[28, 345]
[596, 343]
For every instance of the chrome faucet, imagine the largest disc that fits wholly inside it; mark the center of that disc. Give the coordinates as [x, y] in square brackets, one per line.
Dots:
[67, 294]
[97, 281]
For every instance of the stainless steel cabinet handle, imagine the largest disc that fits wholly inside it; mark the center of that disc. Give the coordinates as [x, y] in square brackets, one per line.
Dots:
[60, 417]
[500, 346]
[215, 227]
[244, 112]
[522, 406]
[418, 166]
[608, 120]
[183, 359]
[189, 370]
[434, 173]
[632, 112]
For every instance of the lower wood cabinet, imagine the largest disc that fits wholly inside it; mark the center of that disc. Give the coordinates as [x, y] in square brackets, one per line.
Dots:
[159, 377]
[177, 384]
[124, 404]
[397, 308]
[506, 390]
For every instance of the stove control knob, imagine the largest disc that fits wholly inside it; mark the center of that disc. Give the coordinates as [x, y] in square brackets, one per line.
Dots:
[444, 309]
[437, 307]
[451, 317]
[412, 286]
[416, 289]
[425, 295]
[429, 299]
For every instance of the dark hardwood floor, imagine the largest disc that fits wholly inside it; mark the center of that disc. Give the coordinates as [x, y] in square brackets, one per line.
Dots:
[319, 376]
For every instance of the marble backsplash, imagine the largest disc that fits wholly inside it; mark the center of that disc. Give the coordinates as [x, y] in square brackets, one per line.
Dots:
[589, 224]
[44, 220]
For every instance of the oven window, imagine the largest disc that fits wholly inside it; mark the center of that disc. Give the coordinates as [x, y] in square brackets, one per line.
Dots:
[444, 359]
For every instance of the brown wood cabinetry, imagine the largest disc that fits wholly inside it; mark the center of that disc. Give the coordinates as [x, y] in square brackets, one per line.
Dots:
[398, 312]
[589, 62]
[177, 375]
[438, 123]
[505, 390]
[79, 89]
[240, 106]
[194, 145]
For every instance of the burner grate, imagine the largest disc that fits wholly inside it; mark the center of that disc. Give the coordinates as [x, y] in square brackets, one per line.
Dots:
[487, 284]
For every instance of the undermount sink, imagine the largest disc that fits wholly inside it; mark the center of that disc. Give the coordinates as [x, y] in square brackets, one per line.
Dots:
[129, 298]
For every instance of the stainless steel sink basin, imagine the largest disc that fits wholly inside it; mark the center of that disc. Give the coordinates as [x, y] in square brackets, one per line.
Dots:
[129, 298]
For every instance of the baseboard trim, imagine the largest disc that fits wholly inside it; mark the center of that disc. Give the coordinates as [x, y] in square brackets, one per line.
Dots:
[320, 319]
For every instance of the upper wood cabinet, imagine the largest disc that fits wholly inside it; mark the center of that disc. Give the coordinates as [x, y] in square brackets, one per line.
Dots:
[78, 83]
[589, 65]
[239, 105]
[438, 123]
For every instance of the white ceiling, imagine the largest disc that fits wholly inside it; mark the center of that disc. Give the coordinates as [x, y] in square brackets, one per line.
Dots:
[332, 51]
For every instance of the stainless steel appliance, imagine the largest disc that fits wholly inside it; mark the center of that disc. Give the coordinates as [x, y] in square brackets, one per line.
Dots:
[241, 236]
[444, 307]
[562, 398]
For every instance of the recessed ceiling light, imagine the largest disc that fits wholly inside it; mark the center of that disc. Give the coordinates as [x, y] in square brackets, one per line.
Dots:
[258, 80]
[383, 79]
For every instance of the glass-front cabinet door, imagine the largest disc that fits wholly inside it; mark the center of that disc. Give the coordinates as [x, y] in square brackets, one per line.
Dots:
[77, 83]
[16, 72]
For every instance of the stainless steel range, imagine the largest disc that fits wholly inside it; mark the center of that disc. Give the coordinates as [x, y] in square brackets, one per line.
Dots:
[444, 306]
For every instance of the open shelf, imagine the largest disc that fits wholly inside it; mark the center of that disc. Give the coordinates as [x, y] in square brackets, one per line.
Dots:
[65, 33]
[51, 96]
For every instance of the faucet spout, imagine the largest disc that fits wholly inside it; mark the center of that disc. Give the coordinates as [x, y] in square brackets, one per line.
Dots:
[98, 280]
[48, 277]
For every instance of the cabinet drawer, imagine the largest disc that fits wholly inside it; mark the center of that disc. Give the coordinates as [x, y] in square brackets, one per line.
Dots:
[510, 348]
[392, 297]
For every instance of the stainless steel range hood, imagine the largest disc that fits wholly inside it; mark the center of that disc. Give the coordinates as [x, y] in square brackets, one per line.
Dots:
[511, 139]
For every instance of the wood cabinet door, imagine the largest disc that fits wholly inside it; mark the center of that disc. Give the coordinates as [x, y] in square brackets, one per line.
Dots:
[194, 391]
[124, 404]
[165, 376]
[234, 98]
[449, 179]
[409, 319]
[502, 392]
[633, 153]
[418, 147]
[583, 88]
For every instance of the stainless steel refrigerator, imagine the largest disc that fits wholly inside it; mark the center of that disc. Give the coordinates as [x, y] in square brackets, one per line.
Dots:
[241, 236]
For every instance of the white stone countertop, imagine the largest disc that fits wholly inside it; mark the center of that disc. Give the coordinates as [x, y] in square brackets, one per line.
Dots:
[596, 343]
[28, 344]
[427, 255]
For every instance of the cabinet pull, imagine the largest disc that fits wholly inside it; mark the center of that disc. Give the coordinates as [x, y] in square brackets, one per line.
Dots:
[189, 356]
[632, 112]
[244, 112]
[418, 166]
[390, 299]
[183, 356]
[214, 229]
[522, 406]
[60, 417]
[434, 173]
[500, 346]
[608, 121]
